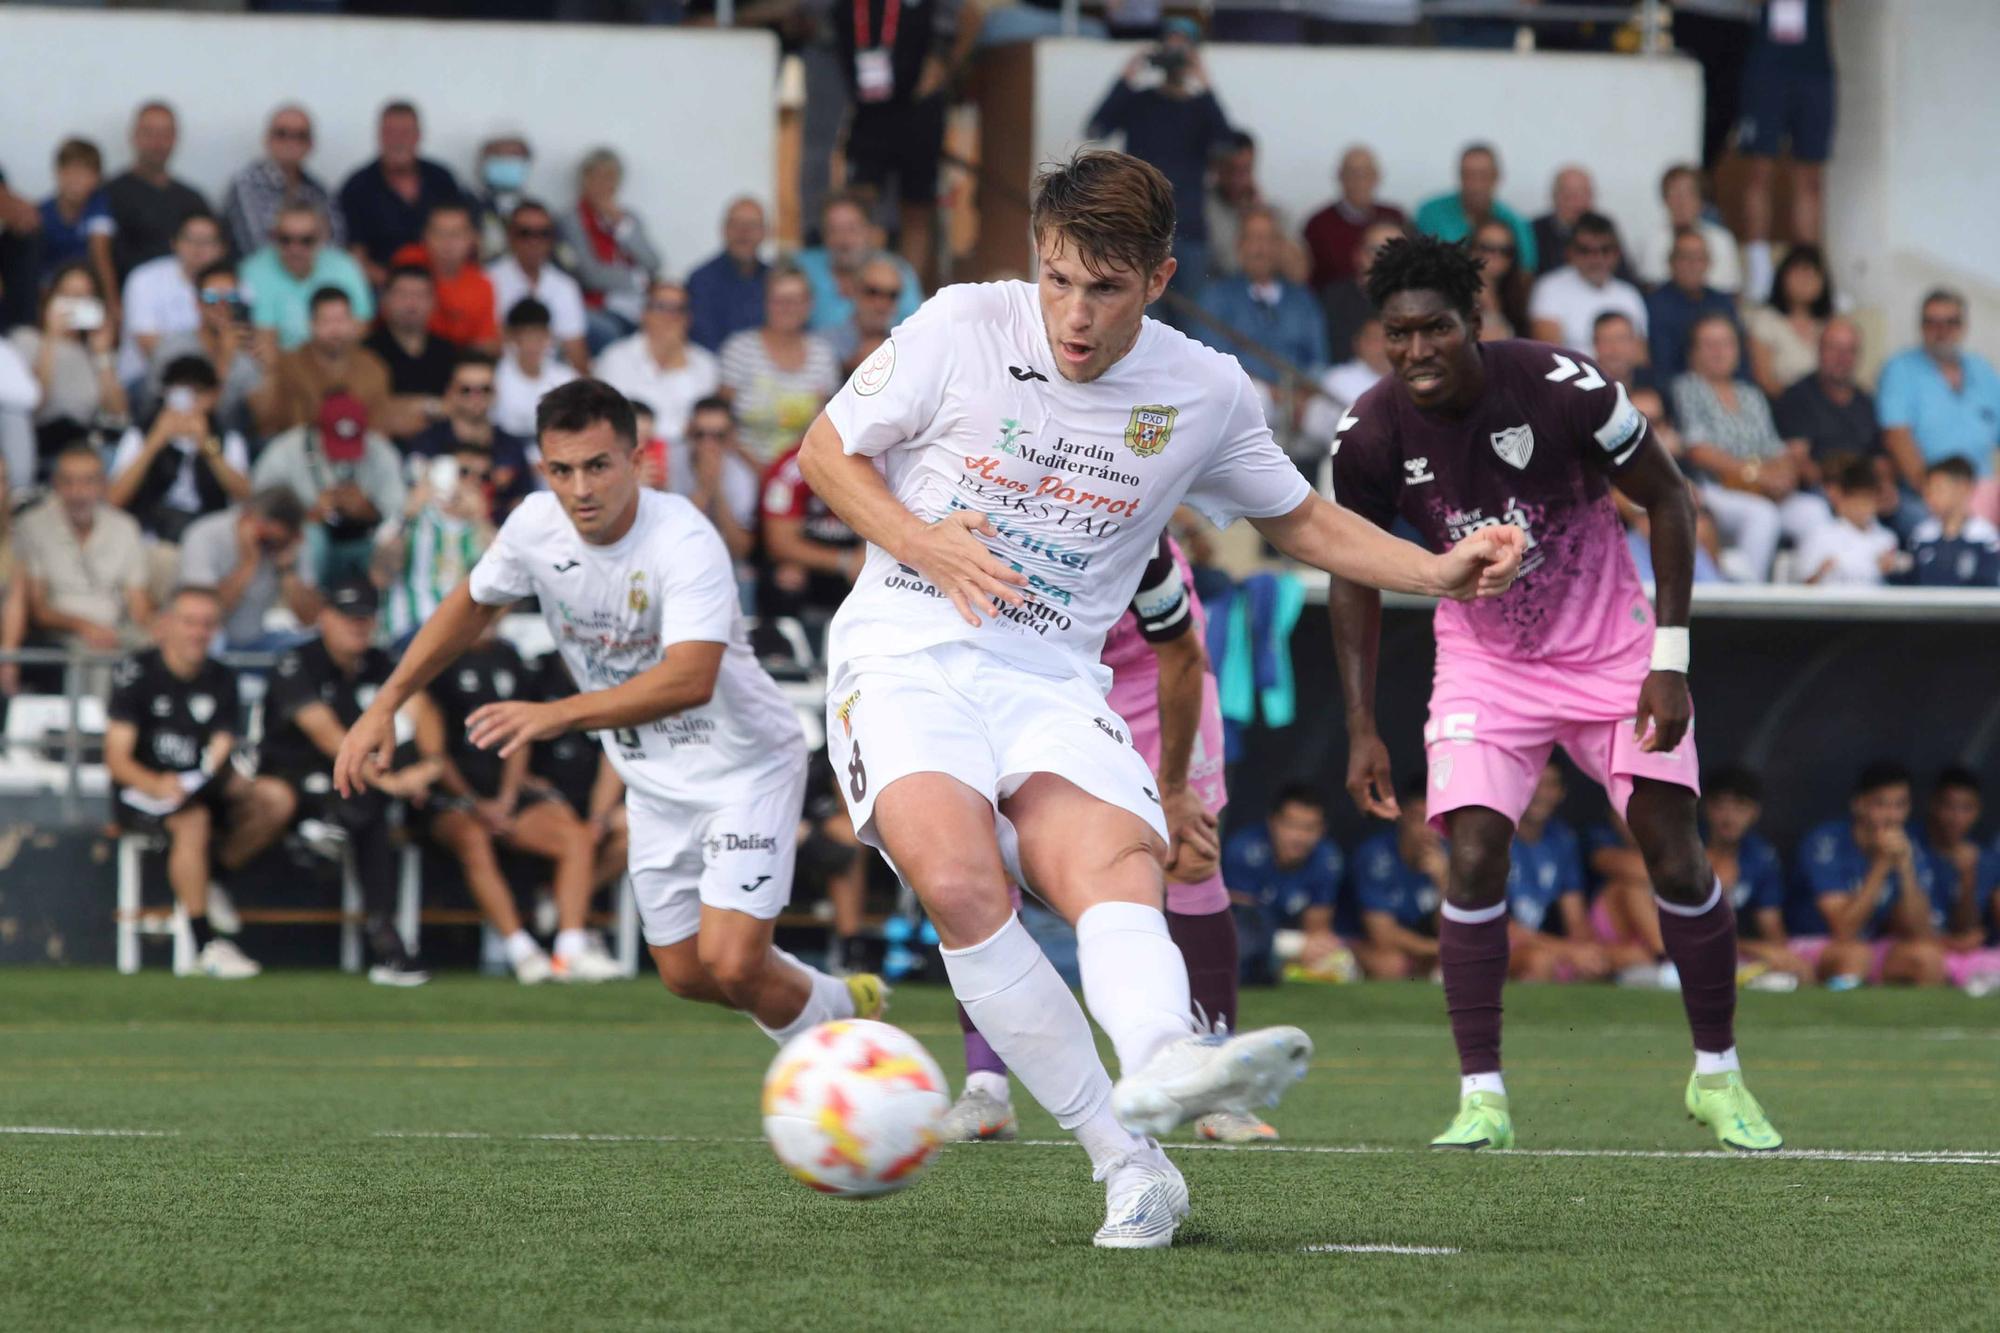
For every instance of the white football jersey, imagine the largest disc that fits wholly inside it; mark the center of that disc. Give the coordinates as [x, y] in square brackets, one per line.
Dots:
[964, 409]
[615, 610]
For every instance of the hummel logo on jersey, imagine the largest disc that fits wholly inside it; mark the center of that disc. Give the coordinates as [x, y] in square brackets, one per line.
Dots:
[1348, 420]
[1567, 369]
[752, 888]
[1418, 471]
[1026, 373]
[567, 565]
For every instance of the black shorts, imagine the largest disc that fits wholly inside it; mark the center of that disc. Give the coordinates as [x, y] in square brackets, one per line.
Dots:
[900, 140]
[1782, 106]
[215, 795]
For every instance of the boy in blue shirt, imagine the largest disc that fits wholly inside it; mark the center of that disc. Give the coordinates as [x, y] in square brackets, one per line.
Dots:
[76, 222]
[1962, 877]
[1551, 937]
[1283, 874]
[1399, 877]
[1751, 872]
[1867, 913]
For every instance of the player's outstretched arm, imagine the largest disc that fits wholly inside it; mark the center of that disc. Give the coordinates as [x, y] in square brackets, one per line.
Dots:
[685, 678]
[455, 626]
[1327, 536]
[1654, 483]
[1356, 613]
[945, 552]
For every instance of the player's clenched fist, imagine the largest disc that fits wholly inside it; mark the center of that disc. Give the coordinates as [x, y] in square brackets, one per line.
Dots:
[946, 553]
[1484, 564]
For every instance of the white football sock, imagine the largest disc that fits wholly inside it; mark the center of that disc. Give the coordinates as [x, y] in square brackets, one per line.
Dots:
[1716, 1062]
[1107, 1141]
[1472, 1083]
[1758, 269]
[1030, 1019]
[570, 943]
[993, 1085]
[521, 946]
[827, 1000]
[1134, 980]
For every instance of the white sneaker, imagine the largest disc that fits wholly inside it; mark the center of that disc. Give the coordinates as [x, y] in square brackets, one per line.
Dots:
[534, 969]
[1212, 1072]
[222, 912]
[1144, 1201]
[223, 961]
[1234, 1127]
[592, 963]
[978, 1117]
[1668, 977]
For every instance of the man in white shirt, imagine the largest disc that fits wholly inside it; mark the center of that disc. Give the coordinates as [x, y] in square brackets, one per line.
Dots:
[1012, 456]
[528, 269]
[160, 293]
[1566, 302]
[641, 598]
[658, 366]
[526, 369]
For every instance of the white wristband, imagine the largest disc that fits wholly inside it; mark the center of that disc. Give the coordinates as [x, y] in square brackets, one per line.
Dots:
[1670, 648]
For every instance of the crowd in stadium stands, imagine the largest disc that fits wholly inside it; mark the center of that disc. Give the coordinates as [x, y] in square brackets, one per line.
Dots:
[318, 402]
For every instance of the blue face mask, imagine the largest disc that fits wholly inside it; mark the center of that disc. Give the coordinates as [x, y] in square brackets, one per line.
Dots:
[506, 173]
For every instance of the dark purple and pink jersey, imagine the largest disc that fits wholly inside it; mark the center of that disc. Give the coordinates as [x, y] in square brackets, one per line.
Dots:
[1537, 451]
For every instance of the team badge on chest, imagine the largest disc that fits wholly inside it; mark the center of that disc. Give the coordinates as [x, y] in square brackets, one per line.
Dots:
[201, 707]
[1515, 445]
[1150, 429]
[636, 597]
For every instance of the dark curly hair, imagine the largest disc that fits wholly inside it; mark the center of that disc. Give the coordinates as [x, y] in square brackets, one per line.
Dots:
[1426, 264]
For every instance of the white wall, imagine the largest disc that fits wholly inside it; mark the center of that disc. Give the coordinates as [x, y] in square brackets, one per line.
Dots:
[1626, 119]
[691, 112]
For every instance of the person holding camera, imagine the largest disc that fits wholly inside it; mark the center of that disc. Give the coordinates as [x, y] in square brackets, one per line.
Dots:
[1170, 117]
[224, 338]
[179, 466]
[71, 356]
[349, 478]
[447, 524]
[159, 294]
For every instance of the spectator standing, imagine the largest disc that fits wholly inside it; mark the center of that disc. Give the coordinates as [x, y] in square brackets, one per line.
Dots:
[1345, 302]
[1571, 195]
[71, 359]
[657, 365]
[777, 377]
[1399, 879]
[277, 181]
[250, 554]
[1334, 234]
[847, 241]
[1175, 124]
[159, 294]
[1866, 914]
[1751, 485]
[84, 562]
[1504, 287]
[1940, 401]
[279, 280]
[1680, 191]
[418, 361]
[223, 337]
[450, 250]
[1284, 874]
[180, 465]
[1854, 550]
[1787, 100]
[1785, 332]
[467, 425]
[528, 269]
[388, 202]
[1620, 351]
[332, 358]
[147, 204]
[1565, 303]
[528, 368]
[76, 221]
[349, 478]
[1952, 547]
[615, 260]
[726, 294]
[1453, 217]
[1673, 310]
[500, 185]
[878, 290]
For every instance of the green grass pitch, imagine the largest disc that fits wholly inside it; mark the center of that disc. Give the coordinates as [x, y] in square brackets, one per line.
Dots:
[328, 1155]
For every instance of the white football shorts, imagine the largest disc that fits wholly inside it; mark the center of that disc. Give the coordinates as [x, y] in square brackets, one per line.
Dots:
[736, 855]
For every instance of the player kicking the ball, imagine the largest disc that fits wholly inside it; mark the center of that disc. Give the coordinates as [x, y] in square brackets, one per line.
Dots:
[1463, 435]
[639, 593]
[1012, 455]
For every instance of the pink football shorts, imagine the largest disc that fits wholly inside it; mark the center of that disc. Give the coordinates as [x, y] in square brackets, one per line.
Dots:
[1142, 719]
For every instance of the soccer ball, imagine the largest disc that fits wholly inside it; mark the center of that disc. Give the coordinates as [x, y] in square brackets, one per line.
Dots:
[852, 1108]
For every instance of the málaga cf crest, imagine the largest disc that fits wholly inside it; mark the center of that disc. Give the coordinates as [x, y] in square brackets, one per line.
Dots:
[1150, 428]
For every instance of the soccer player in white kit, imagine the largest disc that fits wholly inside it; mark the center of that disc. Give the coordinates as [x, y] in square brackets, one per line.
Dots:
[640, 595]
[1012, 455]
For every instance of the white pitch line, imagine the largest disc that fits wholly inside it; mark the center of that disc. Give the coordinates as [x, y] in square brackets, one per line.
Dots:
[1378, 1249]
[75, 1132]
[1913, 1157]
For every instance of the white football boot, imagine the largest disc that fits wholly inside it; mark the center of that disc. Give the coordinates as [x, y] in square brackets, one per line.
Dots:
[978, 1116]
[223, 961]
[1144, 1200]
[1214, 1071]
[592, 963]
[533, 969]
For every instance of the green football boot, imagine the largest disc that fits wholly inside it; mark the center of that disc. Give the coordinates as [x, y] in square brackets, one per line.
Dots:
[1721, 1102]
[1482, 1122]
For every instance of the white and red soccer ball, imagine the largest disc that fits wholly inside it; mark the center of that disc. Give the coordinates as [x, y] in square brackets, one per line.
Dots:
[853, 1108]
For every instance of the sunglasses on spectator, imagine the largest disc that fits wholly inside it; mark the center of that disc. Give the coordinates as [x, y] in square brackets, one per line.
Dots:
[534, 233]
[473, 390]
[1493, 248]
[290, 238]
[882, 293]
[696, 434]
[216, 296]
[667, 307]
[1943, 321]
